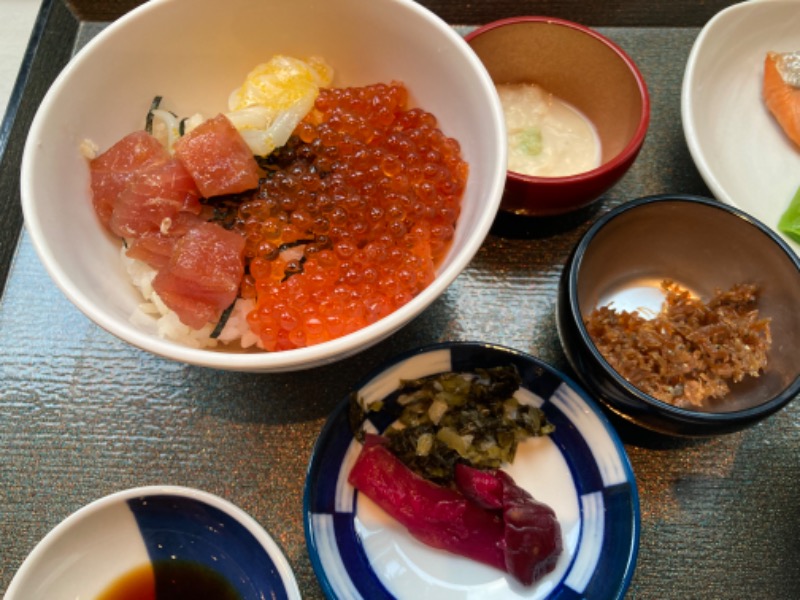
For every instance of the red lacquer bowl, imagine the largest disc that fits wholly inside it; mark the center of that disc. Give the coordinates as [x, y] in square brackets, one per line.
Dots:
[588, 71]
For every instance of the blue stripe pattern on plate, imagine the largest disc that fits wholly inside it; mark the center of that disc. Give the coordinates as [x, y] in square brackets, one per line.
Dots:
[181, 528]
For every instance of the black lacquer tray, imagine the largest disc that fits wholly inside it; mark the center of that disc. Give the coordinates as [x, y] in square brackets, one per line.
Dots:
[83, 415]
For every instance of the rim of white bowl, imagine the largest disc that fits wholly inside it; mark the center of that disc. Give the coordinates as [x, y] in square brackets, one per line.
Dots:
[687, 114]
[225, 506]
[285, 360]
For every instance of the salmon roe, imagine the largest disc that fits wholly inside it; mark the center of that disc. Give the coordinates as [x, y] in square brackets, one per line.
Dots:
[353, 216]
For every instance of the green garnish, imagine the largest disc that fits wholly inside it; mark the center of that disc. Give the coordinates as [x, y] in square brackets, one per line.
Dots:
[461, 417]
[790, 220]
[530, 141]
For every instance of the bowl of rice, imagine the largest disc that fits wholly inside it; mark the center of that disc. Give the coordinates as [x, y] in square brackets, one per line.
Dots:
[281, 186]
[679, 313]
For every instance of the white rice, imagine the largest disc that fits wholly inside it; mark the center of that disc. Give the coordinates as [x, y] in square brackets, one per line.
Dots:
[88, 149]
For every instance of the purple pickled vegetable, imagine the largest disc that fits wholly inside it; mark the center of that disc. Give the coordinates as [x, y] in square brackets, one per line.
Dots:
[488, 518]
[482, 487]
[437, 516]
[532, 535]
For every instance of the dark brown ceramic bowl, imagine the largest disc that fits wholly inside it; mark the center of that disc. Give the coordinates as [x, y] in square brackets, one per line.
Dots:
[701, 245]
[585, 69]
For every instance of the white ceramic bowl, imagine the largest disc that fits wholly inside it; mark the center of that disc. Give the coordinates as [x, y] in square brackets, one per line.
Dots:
[95, 546]
[194, 52]
[739, 149]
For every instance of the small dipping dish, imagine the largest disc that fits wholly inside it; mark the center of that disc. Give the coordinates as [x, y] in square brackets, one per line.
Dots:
[155, 538]
[588, 72]
[703, 246]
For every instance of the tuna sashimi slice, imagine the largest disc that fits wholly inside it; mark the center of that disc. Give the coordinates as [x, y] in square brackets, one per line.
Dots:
[488, 519]
[203, 274]
[218, 158]
[155, 247]
[112, 170]
[152, 198]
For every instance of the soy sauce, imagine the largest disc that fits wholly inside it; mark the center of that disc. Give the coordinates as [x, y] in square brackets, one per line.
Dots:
[170, 580]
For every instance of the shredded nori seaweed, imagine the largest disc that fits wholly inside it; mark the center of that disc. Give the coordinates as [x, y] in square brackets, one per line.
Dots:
[226, 208]
[148, 127]
[223, 320]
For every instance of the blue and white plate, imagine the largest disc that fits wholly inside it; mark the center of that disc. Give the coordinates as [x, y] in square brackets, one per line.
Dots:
[581, 471]
[110, 537]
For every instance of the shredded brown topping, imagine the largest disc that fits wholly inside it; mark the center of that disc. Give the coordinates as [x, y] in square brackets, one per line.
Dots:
[690, 352]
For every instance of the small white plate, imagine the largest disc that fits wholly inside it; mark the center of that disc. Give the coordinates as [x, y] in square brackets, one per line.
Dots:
[581, 471]
[741, 152]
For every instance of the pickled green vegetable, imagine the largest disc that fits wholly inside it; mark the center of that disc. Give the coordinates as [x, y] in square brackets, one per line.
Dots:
[790, 220]
[449, 418]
